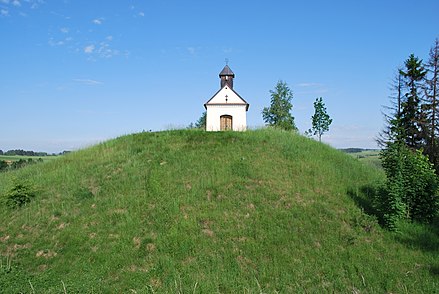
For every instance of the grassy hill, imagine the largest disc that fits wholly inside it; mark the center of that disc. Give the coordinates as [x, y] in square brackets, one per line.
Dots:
[196, 212]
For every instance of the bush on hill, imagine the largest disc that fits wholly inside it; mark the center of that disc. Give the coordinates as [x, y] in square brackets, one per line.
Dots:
[20, 194]
[411, 187]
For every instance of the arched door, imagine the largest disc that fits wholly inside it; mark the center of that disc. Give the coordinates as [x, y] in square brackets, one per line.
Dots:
[225, 122]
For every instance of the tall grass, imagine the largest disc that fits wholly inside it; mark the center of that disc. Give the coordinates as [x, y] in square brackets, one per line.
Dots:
[196, 212]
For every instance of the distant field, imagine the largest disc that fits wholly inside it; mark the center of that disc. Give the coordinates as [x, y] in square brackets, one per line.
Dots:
[18, 157]
[371, 157]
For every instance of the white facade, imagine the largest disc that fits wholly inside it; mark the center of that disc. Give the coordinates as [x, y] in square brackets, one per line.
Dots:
[237, 112]
[226, 110]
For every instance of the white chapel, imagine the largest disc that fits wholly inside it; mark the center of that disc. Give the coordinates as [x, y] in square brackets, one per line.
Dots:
[226, 110]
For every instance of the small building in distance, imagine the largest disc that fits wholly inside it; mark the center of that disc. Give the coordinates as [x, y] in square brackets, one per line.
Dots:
[226, 110]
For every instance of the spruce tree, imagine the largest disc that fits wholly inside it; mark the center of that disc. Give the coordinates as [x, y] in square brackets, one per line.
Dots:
[393, 130]
[201, 122]
[411, 118]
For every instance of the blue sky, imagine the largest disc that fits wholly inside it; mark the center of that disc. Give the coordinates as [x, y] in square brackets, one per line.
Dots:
[73, 73]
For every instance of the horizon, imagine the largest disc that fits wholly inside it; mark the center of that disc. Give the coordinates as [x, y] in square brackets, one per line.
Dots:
[85, 147]
[77, 73]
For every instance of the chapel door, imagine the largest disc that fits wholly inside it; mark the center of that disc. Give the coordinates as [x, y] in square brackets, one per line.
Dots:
[225, 122]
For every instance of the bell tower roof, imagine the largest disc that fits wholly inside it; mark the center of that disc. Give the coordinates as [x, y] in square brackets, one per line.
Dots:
[226, 76]
[227, 72]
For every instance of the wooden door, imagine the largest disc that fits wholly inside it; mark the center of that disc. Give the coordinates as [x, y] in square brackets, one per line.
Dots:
[225, 122]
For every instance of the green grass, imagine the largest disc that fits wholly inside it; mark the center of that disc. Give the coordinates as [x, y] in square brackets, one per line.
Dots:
[196, 212]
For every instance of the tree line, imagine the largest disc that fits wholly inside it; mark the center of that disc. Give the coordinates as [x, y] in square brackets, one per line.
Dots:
[23, 153]
[20, 152]
[410, 142]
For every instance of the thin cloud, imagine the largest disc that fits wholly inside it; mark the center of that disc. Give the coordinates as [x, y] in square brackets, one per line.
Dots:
[52, 42]
[13, 7]
[89, 49]
[60, 15]
[227, 50]
[191, 50]
[141, 13]
[307, 85]
[64, 30]
[105, 50]
[59, 42]
[88, 82]
[35, 3]
[101, 50]
[98, 21]
[310, 88]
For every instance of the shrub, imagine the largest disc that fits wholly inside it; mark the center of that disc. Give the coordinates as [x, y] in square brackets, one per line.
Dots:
[20, 194]
[3, 165]
[411, 187]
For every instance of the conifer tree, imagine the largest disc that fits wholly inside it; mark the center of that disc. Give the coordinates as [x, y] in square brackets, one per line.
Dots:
[393, 130]
[201, 122]
[431, 103]
[411, 187]
[411, 118]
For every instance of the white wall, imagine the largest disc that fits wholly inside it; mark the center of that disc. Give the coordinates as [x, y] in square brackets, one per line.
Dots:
[226, 102]
[238, 113]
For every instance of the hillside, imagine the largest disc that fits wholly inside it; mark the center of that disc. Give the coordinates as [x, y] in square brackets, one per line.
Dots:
[196, 212]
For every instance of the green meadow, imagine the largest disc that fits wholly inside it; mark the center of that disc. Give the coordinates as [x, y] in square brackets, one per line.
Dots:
[188, 211]
[371, 157]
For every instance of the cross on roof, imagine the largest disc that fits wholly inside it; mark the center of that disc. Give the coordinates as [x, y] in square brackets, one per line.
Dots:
[227, 97]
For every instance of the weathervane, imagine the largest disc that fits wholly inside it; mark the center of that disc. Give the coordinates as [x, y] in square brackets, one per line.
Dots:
[227, 61]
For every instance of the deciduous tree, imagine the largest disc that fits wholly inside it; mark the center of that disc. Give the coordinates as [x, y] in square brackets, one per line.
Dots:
[321, 119]
[278, 113]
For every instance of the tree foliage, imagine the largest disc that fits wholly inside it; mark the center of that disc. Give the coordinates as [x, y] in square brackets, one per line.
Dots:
[320, 120]
[201, 122]
[431, 104]
[411, 115]
[25, 153]
[3, 165]
[409, 157]
[411, 186]
[392, 116]
[278, 113]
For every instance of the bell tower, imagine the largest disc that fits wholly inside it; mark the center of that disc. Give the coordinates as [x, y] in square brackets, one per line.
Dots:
[226, 76]
[226, 110]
